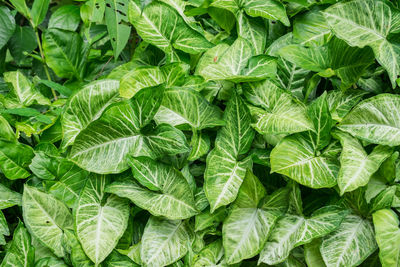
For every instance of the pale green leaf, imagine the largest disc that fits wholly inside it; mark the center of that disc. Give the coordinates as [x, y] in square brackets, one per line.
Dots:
[350, 244]
[295, 157]
[199, 114]
[235, 63]
[46, 218]
[375, 120]
[160, 25]
[23, 89]
[356, 166]
[279, 112]
[21, 252]
[368, 28]
[167, 194]
[292, 231]
[165, 241]
[211, 255]
[248, 225]
[86, 106]
[100, 220]
[387, 234]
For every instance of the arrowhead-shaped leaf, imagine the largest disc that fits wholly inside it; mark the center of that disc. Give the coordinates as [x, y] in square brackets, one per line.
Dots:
[100, 220]
[46, 218]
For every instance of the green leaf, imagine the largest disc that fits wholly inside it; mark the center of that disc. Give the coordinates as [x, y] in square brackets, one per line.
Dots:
[46, 218]
[164, 191]
[7, 25]
[375, 120]
[100, 220]
[6, 131]
[77, 255]
[103, 151]
[20, 252]
[225, 173]
[357, 166]
[253, 30]
[340, 103]
[269, 9]
[277, 112]
[65, 18]
[38, 11]
[86, 106]
[348, 67]
[312, 255]
[165, 241]
[4, 231]
[235, 63]
[23, 89]
[211, 255]
[248, 225]
[387, 234]
[9, 198]
[295, 156]
[199, 115]
[160, 25]
[20, 6]
[350, 244]
[292, 231]
[318, 111]
[65, 53]
[22, 42]
[14, 159]
[115, 15]
[311, 29]
[371, 28]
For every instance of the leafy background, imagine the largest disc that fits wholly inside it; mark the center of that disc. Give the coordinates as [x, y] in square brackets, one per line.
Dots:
[199, 133]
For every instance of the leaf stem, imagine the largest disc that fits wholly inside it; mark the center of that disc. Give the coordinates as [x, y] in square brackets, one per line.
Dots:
[46, 70]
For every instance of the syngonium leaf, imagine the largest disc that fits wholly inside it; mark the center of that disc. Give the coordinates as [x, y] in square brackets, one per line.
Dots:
[296, 157]
[350, 244]
[160, 25]
[200, 114]
[211, 255]
[375, 120]
[148, 76]
[275, 110]
[86, 106]
[105, 143]
[9, 198]
[253, 215]
[164, 191]
[387, 233]
[325, 60]
[225, 172]
[165, 241]
[357, 166]
[292, 231]
[373, 28]
[20, 252]
[236, 63]
[46, 218]
[269, 9]
[23, 90]
[100, 219]
[4, 231]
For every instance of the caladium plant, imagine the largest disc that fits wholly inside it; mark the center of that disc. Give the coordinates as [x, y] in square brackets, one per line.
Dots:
[200, 133]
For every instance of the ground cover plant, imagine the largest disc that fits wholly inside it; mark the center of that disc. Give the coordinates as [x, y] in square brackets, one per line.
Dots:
[199, 133]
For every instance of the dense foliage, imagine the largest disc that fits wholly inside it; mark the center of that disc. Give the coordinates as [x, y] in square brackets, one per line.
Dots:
[199, 133]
